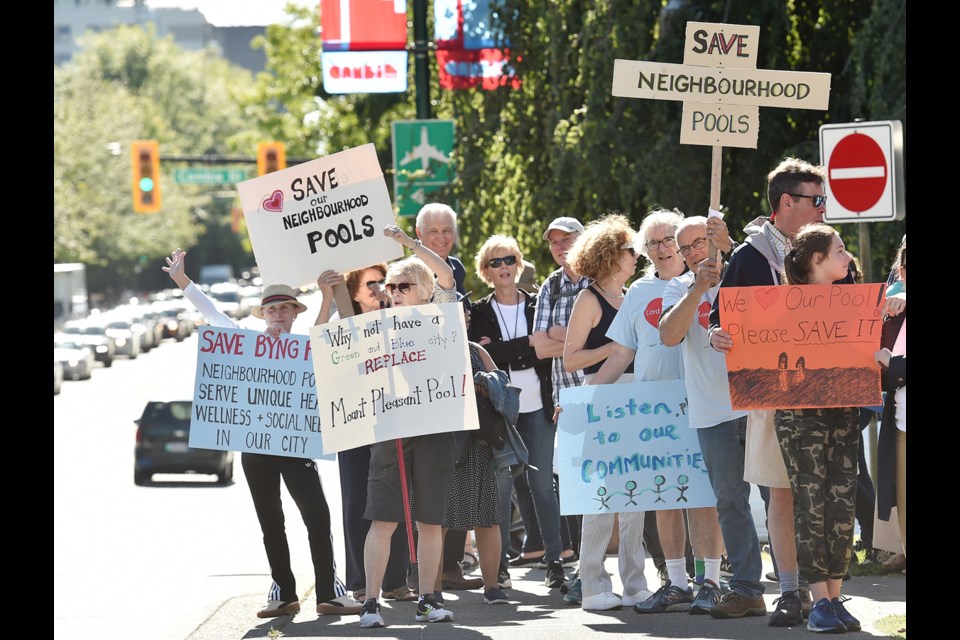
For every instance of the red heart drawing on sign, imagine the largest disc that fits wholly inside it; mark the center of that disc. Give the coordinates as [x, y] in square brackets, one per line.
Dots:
[766, 297]
[652, 312]
[704, 313]
[274, 202]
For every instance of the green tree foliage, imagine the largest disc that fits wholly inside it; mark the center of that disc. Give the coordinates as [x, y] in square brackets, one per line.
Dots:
[562, 145]
[127, 84]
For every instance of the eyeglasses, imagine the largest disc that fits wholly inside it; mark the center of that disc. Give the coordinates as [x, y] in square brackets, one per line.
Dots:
[507, 260]
[373, 283]
[629, 247]
[695, 245]
[668, 243]
[818, 201]
[403, 287]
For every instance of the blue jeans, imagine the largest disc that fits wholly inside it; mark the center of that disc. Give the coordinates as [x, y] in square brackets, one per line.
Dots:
[505, 476]
[537, 431]
[723, 449]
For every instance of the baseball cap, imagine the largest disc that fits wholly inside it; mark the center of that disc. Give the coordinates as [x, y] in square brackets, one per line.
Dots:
[563, 223]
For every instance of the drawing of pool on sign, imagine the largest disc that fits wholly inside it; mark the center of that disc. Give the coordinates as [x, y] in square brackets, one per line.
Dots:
[627, 447]
[808, 346]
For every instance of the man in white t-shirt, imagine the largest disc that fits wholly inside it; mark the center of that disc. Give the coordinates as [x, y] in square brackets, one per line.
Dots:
[687, 301]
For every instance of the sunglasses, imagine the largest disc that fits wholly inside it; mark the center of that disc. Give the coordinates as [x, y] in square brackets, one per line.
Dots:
[373, 283]
[818, 201]
[507, 260]
[403, 287]
[629, 247]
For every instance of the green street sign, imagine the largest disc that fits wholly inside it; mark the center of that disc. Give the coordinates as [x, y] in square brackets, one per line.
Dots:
[212, 176]
[421, 161]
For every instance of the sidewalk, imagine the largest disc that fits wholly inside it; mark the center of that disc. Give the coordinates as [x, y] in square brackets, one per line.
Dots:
[540, 613]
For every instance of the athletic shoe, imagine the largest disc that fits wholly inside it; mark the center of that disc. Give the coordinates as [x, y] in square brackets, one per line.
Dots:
[429, 610]
[370, 616]
[707, 598]
[632, 599]
[495, 596]
[574, 592]
[788, 610]
[726, 569]
[851, 623]
[569, 561]
[737, 605]
[602, 602]
[667, 599]
[342, 606]
[276, 608]
[823, 618]
[520, 562]
[555, 577]
[503, 579]
[437, 597]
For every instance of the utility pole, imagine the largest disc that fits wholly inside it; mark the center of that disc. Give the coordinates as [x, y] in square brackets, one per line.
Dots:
[421, 63]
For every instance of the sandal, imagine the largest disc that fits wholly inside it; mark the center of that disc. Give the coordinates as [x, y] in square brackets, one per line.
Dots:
[402, 594]
[360, 595]
[469, 561]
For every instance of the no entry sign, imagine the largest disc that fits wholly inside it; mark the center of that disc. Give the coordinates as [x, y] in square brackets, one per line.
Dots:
[864, 163]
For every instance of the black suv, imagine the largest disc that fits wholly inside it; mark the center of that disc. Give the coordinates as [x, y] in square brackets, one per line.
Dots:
[162, 435]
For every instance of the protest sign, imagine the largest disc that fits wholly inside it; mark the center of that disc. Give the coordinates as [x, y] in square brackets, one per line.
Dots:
[328, 213]
[627, 447]
[803, 346]
[255, 393]
[396, 373]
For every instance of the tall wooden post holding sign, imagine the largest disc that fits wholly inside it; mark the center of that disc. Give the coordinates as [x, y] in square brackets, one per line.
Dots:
[721, 89]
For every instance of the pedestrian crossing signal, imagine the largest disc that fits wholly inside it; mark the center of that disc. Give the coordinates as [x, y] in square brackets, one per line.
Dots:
[145, 155]
[271, 156]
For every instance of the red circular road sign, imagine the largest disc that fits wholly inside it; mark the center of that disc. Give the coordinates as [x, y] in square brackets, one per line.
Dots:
[857, 172]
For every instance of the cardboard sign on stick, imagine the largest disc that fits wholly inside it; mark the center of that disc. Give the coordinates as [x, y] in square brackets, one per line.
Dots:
[328, 213]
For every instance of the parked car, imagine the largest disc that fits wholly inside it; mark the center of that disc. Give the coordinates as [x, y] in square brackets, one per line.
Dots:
[57, 375]
[163, 433]
[76, 358]
[104, 348]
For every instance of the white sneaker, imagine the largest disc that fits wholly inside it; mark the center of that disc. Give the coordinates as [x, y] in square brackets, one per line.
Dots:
[601, 602]
[432, 611]
[276, 608]
[636, 598]
[370, 616]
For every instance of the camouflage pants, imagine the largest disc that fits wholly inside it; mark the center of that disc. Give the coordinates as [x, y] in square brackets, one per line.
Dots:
[820, 449]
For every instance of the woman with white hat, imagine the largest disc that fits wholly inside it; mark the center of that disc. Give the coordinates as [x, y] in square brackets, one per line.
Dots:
[279, 307]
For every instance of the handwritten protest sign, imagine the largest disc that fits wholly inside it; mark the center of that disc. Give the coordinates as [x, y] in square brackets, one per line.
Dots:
[627, 447]
[398, 373]
[803, 346]
[324, 214]
[254, 393]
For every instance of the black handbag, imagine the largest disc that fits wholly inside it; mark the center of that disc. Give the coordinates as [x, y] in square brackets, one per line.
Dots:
[493, 429]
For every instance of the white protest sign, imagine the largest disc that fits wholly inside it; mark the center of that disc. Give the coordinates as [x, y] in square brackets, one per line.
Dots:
[324, 214]
[628, 447]
[396, 373]
[254, 393]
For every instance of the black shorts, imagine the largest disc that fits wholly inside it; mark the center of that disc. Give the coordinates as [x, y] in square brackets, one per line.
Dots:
[429, 462]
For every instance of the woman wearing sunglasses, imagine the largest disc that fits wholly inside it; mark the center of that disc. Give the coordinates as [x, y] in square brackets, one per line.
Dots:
[367, 293]
[502, 322]
[429, 459]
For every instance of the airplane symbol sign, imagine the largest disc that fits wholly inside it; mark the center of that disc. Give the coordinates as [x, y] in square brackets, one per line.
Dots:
[421, 160]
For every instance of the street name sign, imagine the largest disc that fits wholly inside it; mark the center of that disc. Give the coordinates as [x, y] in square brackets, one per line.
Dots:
[212, 176]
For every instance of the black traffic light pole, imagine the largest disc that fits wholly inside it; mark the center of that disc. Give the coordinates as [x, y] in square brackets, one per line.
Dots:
[421, 63]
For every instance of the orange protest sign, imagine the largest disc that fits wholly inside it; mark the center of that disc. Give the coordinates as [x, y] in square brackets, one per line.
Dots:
[803, 346]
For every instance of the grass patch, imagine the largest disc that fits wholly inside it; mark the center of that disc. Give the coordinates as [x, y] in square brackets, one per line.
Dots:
[893, 626]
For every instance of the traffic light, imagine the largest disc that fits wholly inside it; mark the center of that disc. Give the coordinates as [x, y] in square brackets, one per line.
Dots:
[146, 176]
[271, 156]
